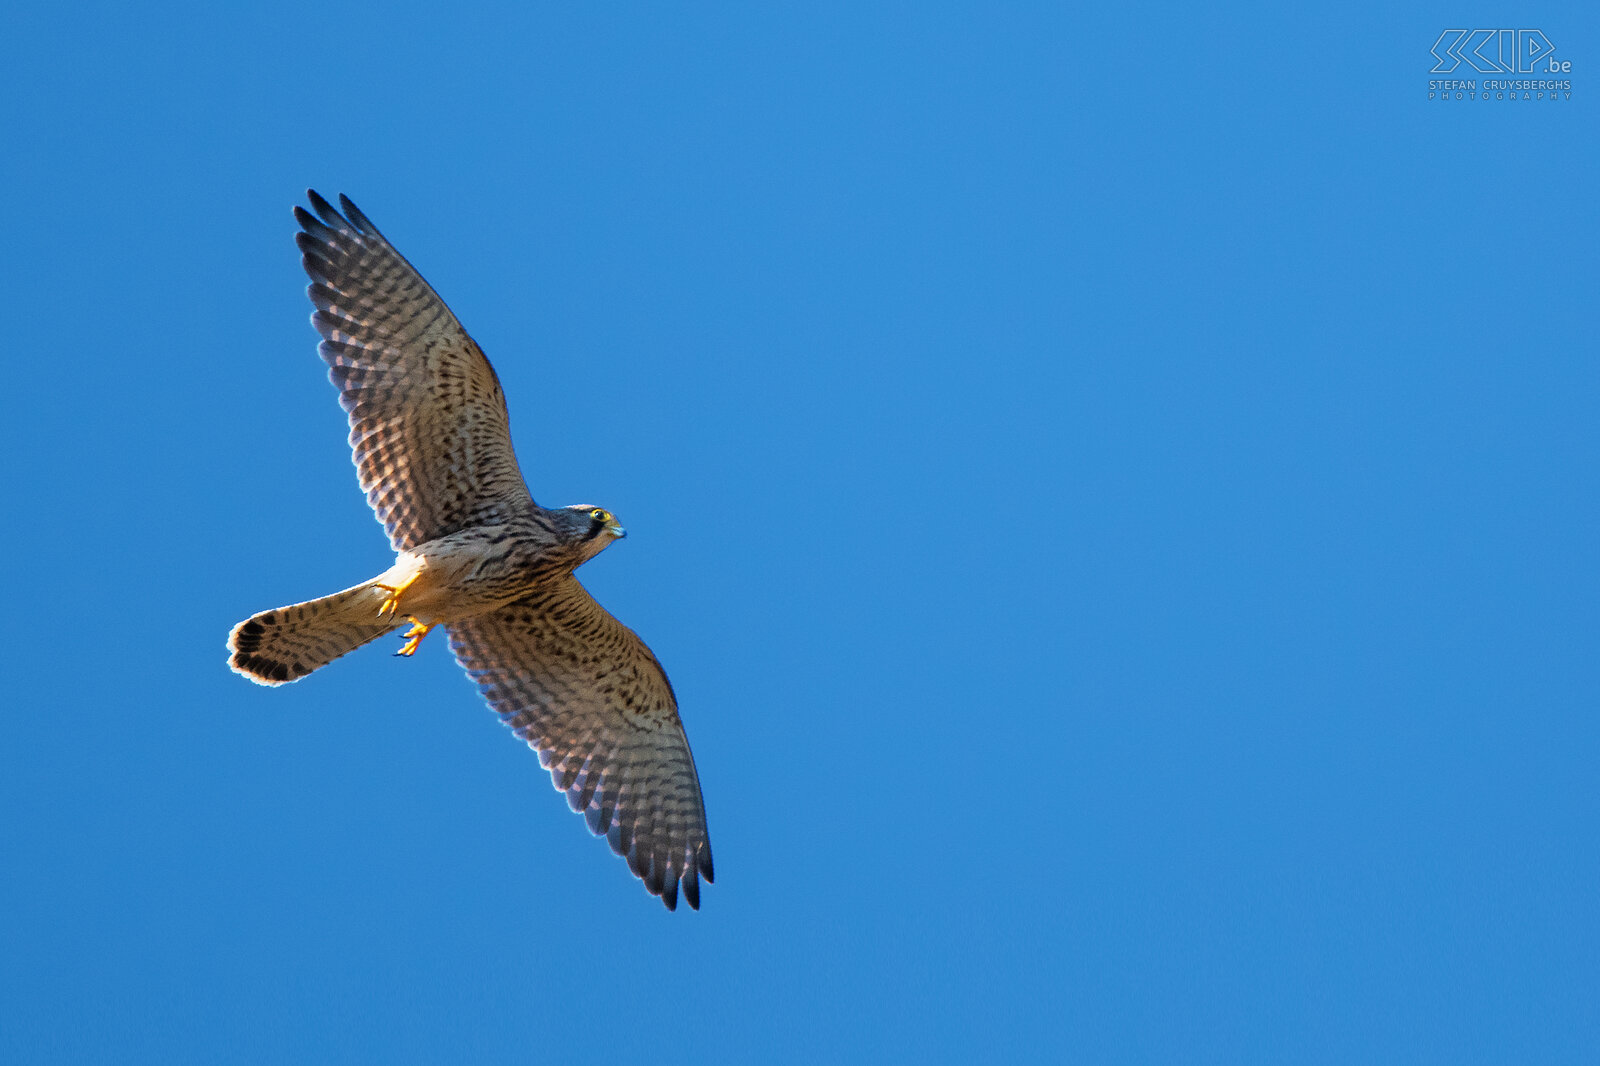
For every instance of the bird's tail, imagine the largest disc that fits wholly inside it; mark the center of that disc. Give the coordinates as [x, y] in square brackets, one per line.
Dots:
[287, 643]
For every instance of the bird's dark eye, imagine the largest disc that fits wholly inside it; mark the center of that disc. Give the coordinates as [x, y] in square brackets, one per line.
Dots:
[599, 516]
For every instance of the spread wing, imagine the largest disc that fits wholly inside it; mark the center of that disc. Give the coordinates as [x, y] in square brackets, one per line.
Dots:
[582, 689]
[428, 425]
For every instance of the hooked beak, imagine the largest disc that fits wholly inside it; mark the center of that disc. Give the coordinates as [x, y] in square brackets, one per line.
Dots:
[616, 531]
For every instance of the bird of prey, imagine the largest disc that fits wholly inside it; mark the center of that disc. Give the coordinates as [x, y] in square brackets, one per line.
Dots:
[475, 554]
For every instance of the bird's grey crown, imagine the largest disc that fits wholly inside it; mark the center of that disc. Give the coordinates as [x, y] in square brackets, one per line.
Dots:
[573, 523]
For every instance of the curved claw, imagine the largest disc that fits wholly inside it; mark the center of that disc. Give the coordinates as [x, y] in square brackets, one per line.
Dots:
[414, 637]
[391, 602]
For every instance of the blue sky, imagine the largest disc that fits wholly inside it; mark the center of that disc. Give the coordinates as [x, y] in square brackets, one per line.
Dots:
[1114, 491]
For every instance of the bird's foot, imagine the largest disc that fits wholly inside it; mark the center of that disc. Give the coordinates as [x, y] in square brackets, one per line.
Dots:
[391, 602]
[414, 637]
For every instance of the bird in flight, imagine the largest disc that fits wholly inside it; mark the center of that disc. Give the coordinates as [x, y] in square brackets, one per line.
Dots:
[475, 554]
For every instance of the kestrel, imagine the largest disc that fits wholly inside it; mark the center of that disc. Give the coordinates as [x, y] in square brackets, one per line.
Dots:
[474, 553]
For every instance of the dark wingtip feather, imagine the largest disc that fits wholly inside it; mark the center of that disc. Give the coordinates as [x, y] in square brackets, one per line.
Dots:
[313, 247]
[326, 301]
[669, 894]
[325, 209]
[691, 888]
[703, 859]
[316, 237]
[357, 217]
[587, 786]
[318, 270]
[599, 819]
[656, 882]
[621, 837]
[565, 775]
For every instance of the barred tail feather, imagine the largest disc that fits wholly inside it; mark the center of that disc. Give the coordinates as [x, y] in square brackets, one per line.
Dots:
[287, 643]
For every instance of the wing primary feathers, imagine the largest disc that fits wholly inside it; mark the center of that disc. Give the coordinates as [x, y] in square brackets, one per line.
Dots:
[314, 258]
[621, 839]
[357, 219]
[315, 231]
[318, 269]
[327, 302]
[586, 789]
[445, 458]
[651, 862]
[325, 209]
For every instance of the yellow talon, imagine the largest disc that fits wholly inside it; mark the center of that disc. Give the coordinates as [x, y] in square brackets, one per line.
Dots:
[414, 637]
[391, 602]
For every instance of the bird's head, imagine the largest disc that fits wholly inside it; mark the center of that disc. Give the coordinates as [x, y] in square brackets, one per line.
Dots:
[589, 528]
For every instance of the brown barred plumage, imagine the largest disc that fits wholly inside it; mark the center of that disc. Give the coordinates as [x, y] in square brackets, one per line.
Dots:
[431, 442]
